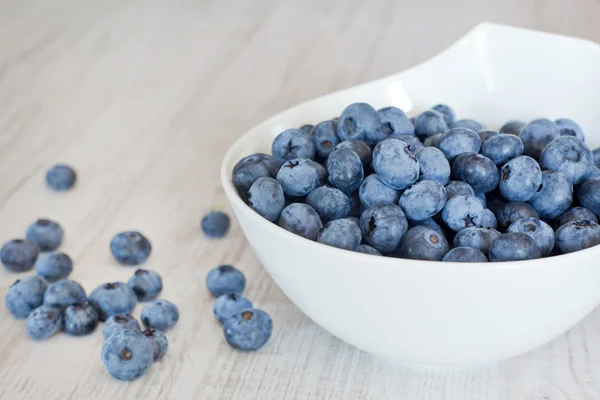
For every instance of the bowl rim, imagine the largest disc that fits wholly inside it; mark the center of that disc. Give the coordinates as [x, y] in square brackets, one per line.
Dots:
[236, 200]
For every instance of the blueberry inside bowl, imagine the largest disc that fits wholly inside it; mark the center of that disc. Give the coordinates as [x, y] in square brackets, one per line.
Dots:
[409, 305]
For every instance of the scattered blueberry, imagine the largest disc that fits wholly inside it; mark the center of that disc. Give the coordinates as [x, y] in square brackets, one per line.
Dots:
[446, 111]
[61, 177]
[250, 168]
[292, 144]
[127, 355]
[395, 164]
[536, 135]
[325, 138]
[159, 343]
[228, 304]
[118, 323]
[54, 266]
[146, 285]
[478, 171]
[422, 243]
[569, 127]
[266, 198]
[458, 141]
[47, 234]
[468, 124]
[477, 238]
[248, 329]
[461, 212]
[225, 279]
[383, 226]
[541, 233]
[570, 156]
[112, 299]
[44, 321]
[366, 249]
[133, 248]
[423, 200]
[513, 246]
[577, 235]
[373, 192]
[341, 233]
[520, 178]
[512, 127]
[301, 219]
[434, 165]
[554, 195]
[19, 255]
[64, 293]
[25, 295]
[358, 121]
[502, 148]
[159, 314]
[576, 214]
[430, 123]
[514, 211]
[345, 170]
[79, 319]
[464, 254]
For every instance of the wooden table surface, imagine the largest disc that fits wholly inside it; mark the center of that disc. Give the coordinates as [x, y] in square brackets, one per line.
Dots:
[144, 97]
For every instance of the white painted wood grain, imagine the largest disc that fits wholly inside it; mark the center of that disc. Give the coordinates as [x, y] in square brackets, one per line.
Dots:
[143, 98]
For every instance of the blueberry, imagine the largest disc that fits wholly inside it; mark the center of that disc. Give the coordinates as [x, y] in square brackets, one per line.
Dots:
[455, 188]
[513, 246]
[248, 329]
[423, 200]
[64, 293]
[577, 235]
[464, 254]
[468, 124]
[25, 295]
[133, 248]
[19, 255]
[356, 208]
[461, 212]
[394, 123]
[54, 266]
[127, 355]
[360, 148]
[330, 203]
[266, 198]
[554, 195]
[373, 192]
[366, 249]
[570, 156]
[307, 128]
[433, 165]
[252, 167]
[383, 226]
[458, 141]
[477, 238]
[395, 164]
[482, 199]
[478, 171]
[494, 201]
[43, 322]
[341, 233]
[325, 138]
[541, 233]
[292, 144]
[112, 299]
[79, 319]
[434, 141]
[358, 121]
[485, 135]
[422, 243]
[536, 135]
[589, 195]
[159, 314]
[225, 279]
[146, 285]
[502, 148]
[446, 111]
[512, 127]
[301, 219]
[568, 127]
[596, 154]
[428, 223]
[159, 343]
[430, 123]
[118, 323]
[413, 142]
[345, 170]
[514, 211]
[228, 304]
[576, 214]
[520, 179]
[61, 177]
[47, 234]
[487, 219]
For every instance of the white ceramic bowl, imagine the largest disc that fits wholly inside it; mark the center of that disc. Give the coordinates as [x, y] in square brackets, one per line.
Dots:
[432, 312]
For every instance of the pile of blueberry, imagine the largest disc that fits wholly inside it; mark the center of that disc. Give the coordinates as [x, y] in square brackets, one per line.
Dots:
[431, 187]
[50, 302]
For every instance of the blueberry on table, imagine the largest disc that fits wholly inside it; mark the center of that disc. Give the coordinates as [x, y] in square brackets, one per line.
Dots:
[292, 144]
[341, 233]
[458, 141]
[252, 167]
[554, 195]
[127, 355]
[63, 293]
[570, 156]
[133, 248]
[159, 314]
[395, 164]
[422, 243]
[301, 219]
[159, 342]
[514, 246]
[394, 123]
[464, 254]
[61, 177]
[383, 226]
[577, 235]
[568, 127]
[79, 319]
[358, 121]
[325, 138]
[43, 322]
[502, 148]
[512, 127]
[520, 178]
[25, 295]
[477, 238]
[228, 304]
[362, 150]
[47, 234]
[430, 123]
[112, 299]
[536, 135]
[345, 169]
[54, 266]
[433, 165]
[373, 192]
[462, 212]
[467, 124]
[447, 112]
[514, 211]
[576, 214]
[455, 188]
[589, 195]
[423, 200]
[541, 233]
[478, 171]
[225, 279]
[366, 249]
[215, 224]
[19, 255]
[118, 323]
[329, 202]
[485, 135]
[146, 284]
[248, 329]
[299, 176]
